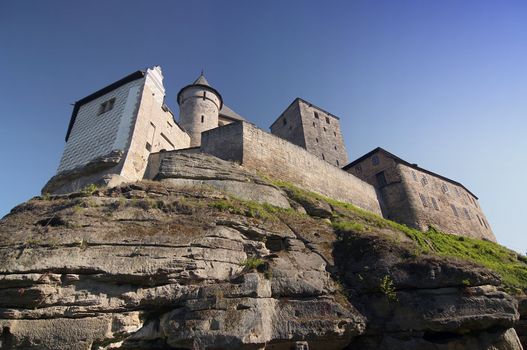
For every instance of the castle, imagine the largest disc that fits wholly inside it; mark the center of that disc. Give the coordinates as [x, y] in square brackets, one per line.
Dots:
[125, 131]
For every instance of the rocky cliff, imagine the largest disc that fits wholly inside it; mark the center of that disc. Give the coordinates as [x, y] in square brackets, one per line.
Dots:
[211, 256]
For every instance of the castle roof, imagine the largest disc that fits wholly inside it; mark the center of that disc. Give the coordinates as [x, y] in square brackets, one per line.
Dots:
[129, 78]
[404, 162]
[229, 113]
[201, 82]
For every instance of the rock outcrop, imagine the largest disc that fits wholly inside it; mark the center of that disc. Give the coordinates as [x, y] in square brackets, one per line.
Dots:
[180, 263]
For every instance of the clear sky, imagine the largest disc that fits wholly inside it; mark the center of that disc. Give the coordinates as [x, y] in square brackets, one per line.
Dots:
[439, 83]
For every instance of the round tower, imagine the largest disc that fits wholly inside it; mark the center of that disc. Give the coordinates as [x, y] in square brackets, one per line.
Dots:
[199, 106]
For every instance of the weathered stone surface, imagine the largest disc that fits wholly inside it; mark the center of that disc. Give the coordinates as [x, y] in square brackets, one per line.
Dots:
[155, 265]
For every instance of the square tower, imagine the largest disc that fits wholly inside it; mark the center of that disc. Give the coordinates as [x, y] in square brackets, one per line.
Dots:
[314, 129]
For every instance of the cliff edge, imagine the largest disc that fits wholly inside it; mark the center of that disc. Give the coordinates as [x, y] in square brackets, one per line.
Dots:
[211, 256]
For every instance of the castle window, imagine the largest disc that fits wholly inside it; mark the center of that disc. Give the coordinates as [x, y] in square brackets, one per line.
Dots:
[204, 95]
[479, 220]
[316, 138]
[335, 147]
[316, 115]
[424, 181]
[485, 223]
[444, 188]
[381, 179]
[202, 118]
[106, 106]
[414, 175]
[169, 125]
[454, 210]
[313, 124]
[323, 157]
[335, 133]
[375, 160]
[338, 162]
[423, 200]
[327, 120]
[324, 128]
[284, 121]
[467, 214]
[148, 147]
[434, 203]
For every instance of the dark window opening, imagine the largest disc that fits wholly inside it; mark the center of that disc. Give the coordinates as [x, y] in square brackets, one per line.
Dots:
[202, 118]
[467, 214]
[485, 223]
[338, 162]
[284, 121]
[335, 147]
[313, 124]
[106, 106]
[434, 203]
[335, 133]
[381, 179]
[375, 160]
[316, 138]
[323, 156]
[424, 181]
[324, 128]
[204, 95]
[444, 188]
[316, 115]
[423, 200]
[454, 210]
[327, 120]
[148, 147]
[479, 220]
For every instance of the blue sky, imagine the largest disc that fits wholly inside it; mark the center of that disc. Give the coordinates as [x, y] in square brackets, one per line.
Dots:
[439, 83]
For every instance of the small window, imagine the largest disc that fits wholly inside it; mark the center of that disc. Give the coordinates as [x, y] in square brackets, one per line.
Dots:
[479, 219]
[316, 115]
[375, 160]
[485, 223]
[148, 147]
[313, 124]
[454, 210]
[202, 118]
[323, 157]
[169, 125]
[423, 200]
[284, 121]
[414, 175]
[204, 95]
[335, 147]
[335, 133]
[327, 120]
[424, 181]
[338, 162]
[324, 128]
[106, 106]
[467, 213]
[444, 188]
[316, 138]
[434, 203]
[381, 179]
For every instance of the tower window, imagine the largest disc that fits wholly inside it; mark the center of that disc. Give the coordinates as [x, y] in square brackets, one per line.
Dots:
[335, 147]
[375, 160]
[148, 147]
[467, 214]
[106, 106]
[324, 128]
[204, 95]
[316, 138]
[284, 121]
[313, 124]
[424, 181]
[338, 162]
[444, 188]
[454, 210]
[423, 200]
[316, 115]
[381, 179]
[335, 133]
[434, 203]
[202, 118]
[323, 157]
[327, 120]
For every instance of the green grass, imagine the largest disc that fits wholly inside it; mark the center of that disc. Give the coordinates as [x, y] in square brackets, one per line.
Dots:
[509, 265]
[252, 263]
[251, 209]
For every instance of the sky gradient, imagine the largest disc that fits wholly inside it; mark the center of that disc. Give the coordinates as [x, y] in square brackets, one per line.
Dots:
[438, 83]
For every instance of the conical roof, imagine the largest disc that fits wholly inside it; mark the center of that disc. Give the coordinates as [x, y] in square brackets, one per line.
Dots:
[201, 81]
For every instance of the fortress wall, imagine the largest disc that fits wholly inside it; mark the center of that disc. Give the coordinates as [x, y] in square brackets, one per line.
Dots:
[270, 155]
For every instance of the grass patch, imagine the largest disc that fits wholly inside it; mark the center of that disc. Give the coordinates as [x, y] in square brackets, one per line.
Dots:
[89, 190]
[252, 263]
[508, 264]
[251, 209]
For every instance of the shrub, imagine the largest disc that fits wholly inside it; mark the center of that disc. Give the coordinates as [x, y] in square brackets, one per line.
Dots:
[388, 289]
[252, 263]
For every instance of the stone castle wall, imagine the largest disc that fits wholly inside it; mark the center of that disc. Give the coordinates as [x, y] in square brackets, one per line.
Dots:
[273, 156]
[419, 199]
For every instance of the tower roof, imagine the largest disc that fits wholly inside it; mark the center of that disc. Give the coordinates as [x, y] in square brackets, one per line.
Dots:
[202, 82]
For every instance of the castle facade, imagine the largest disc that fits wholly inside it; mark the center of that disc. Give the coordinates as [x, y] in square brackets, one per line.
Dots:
[124, 132]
